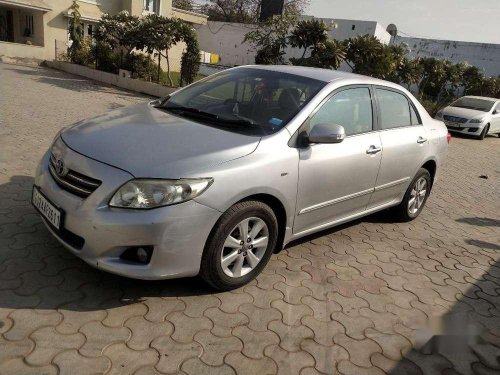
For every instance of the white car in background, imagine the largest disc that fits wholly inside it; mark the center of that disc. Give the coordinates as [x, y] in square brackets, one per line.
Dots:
[473, 115]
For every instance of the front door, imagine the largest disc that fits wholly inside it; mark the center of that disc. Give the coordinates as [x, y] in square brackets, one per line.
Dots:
[336, 180]
[405, 145]
[495, 119]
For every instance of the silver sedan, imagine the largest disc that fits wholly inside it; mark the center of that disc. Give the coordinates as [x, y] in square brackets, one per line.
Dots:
[211, 180]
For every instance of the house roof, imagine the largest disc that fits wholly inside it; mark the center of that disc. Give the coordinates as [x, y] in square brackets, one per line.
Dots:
[28, 4]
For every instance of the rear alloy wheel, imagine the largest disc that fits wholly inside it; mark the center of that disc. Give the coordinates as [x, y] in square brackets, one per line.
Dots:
[240, 245]
[415, 197]
[485, 131]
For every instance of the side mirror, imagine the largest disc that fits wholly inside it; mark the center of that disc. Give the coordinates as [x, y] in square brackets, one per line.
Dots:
[326, 133]
[495, 112]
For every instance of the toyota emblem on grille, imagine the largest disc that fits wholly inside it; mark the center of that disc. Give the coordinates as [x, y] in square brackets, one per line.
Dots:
[60, 169]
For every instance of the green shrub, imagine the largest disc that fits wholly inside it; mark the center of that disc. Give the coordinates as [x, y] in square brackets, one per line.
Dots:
[142, 66]
[85, 54]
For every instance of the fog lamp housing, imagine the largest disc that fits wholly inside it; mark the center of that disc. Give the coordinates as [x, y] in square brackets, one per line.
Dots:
[138, 254]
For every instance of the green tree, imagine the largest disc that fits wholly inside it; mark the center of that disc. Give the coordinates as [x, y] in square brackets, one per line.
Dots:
[454, 76]
[409, 72]
[309, 35]
[75, 32]
[434, 77]
[183, 4]
[247, 11]
[120, 31]
[472, 80]
[156, 35]
[190, 61]
[270, 39]
[367, 55]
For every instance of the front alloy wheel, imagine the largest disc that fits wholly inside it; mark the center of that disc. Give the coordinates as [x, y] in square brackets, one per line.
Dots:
[240, 245]
[244, 247]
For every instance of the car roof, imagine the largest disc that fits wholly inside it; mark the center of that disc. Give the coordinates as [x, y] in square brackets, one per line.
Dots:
[481, 97]
[325, 75]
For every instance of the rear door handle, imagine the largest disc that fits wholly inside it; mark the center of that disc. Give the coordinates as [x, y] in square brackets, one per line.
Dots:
[421, 140]
[373, 150]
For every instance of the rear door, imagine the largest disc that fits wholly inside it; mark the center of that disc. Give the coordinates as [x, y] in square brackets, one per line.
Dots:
[404, 144]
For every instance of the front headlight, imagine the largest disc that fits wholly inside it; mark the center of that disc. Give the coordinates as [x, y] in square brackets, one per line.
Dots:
[150, 193]
[476, 121]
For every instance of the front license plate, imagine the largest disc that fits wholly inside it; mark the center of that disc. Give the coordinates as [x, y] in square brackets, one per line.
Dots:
[47, 209]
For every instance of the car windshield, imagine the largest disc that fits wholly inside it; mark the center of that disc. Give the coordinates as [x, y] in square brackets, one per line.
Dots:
[245, 100]
[473, 103]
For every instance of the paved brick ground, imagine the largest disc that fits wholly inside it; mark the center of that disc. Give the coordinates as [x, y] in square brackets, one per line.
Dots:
[354, 300]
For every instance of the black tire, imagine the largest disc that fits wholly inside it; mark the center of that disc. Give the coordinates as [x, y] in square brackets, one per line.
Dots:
[484, 132]
[210, 269]
[402, 211]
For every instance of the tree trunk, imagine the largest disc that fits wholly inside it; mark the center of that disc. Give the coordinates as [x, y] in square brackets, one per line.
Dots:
[168, 70]
[159, 66]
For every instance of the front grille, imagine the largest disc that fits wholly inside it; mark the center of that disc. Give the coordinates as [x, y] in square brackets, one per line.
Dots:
[460, 120]
[74, 182]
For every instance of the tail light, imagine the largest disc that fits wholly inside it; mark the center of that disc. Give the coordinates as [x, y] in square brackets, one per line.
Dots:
[448, 137]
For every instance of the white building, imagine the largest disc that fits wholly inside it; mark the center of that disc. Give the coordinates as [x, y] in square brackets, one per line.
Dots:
[226, 39]
[483, 55]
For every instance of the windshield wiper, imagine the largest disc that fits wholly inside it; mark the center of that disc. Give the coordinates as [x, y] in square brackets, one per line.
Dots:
[191, 111]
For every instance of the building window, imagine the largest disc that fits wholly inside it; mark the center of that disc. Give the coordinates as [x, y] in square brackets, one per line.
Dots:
[152, 6]
[89, 30]
[29, 29]
[353, 27]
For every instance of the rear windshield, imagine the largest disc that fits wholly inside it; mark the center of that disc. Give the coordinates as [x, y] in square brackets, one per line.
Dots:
[473, 103]
[245, 100]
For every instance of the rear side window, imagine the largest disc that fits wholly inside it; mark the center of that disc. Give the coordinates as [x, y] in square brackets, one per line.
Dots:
[395, 110]
[351, 108]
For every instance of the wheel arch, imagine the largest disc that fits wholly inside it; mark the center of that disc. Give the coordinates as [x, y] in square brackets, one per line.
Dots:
[279, 210]
[431, 166]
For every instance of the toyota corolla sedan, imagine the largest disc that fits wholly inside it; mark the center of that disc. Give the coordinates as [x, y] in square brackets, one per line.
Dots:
[472, 115]
[211, 180]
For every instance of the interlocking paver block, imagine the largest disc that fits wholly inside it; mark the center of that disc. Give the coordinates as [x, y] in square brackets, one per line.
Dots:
[254, 342]
[126, 361]
[99, 336]
[290, 337]
[249, 366]
[173, 354]
[289, 362]
[259, 318]
[185, 327]
[326, 357]
[144, 331]
[195, 366]
[28, 321]
[72, 363]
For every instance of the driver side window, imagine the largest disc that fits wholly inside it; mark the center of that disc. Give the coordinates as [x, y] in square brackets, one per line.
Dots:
[351, 108]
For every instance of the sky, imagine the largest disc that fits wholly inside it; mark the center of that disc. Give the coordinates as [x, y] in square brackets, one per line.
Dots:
[460, 20]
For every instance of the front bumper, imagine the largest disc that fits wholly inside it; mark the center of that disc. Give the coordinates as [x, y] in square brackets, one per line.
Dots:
[178, 233]
[473, 129]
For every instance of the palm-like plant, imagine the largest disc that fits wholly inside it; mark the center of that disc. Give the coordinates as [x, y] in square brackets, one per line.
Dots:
[270, 39]
[310, 34]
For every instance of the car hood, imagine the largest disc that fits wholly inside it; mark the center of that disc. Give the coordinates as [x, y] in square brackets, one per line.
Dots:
[151, 143]
[463, 112]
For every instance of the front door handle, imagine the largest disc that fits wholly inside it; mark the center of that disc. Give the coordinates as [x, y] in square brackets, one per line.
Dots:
[421, 140]
[373, 150]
